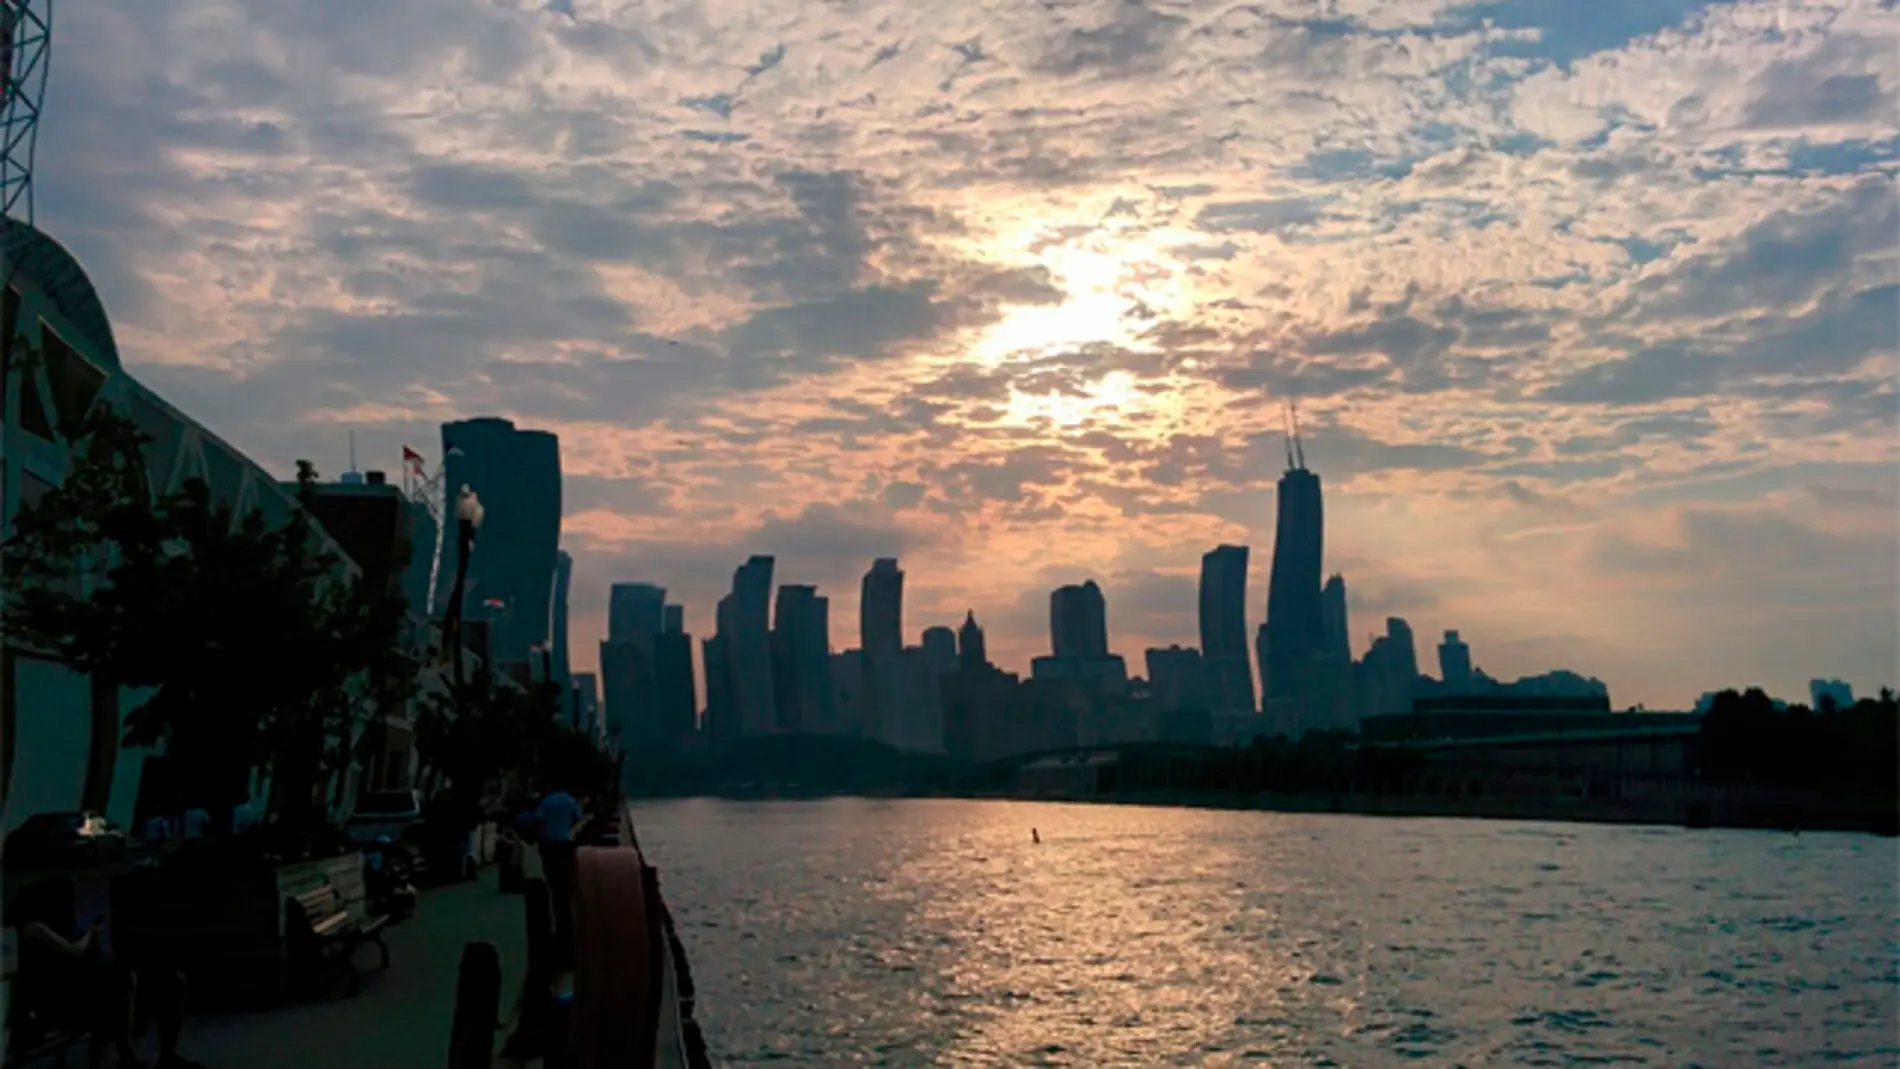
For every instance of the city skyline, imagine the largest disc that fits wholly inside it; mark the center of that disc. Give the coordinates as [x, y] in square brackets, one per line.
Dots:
[1589, 320]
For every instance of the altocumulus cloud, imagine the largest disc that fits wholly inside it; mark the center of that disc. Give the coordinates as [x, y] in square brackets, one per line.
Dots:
[1571, 302]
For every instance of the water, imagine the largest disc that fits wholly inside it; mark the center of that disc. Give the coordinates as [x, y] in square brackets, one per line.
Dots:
[913, 933]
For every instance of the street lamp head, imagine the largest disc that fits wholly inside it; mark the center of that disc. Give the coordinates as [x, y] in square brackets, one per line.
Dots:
[468, 507]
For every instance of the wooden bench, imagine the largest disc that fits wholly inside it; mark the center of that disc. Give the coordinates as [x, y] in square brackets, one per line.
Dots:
[320, 931]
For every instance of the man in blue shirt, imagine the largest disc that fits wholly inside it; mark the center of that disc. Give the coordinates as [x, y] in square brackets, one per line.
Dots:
[559, 818]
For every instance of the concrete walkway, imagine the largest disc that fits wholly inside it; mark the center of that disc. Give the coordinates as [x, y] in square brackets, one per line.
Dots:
[402, 1018]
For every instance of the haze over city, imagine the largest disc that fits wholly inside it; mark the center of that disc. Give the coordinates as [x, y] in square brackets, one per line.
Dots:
[1588, 309]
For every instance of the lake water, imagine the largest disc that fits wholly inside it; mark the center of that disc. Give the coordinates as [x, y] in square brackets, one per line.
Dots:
[914, 933]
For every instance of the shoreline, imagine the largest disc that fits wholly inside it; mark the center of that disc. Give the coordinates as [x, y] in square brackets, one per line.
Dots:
[1817, 815]
[1690, 813]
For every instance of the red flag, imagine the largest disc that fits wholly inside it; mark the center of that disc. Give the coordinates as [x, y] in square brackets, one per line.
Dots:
[411, 455]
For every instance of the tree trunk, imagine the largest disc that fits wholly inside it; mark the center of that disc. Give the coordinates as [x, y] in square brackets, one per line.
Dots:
[103, 758]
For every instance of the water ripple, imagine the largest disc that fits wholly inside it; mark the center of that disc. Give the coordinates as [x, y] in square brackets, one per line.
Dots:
[934, 933]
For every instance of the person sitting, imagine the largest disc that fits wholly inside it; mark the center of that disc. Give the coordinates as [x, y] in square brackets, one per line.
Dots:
[67, 979]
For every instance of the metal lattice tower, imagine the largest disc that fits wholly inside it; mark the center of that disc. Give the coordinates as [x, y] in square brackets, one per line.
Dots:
[419, 485]
[26, 37]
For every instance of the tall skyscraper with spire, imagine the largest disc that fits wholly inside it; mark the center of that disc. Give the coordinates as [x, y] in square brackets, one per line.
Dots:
[1229, 686]
[1294, 635]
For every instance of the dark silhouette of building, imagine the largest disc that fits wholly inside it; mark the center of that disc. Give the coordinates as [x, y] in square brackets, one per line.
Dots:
[720, 724]
[1078, 621]
[1224, 628]
[1293, 637]
[629, 668]
[1386, 679]
[971, 651]
[881, 638]
[1454, 662]
[1332, 612]
[749, 649]
[940, 648]
[558, 653]
[517, 475]
[1178, 679]
[801, 660]
[676, 699]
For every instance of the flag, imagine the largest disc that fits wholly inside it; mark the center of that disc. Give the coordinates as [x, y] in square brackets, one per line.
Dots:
[410, 456]
[494, 603]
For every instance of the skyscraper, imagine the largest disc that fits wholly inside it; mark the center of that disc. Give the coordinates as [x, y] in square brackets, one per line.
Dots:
[635, 609]
[721, 725]
[940, 648]
[1224, 629]
[1078, 621]
[629, 668]
[1332, 611]
[1294, 634]
[673, 619]
[801, 660]
[517, 475]
[1454, 662]
[881, 637]
[558, 655]
[971, 651]
[750, 652]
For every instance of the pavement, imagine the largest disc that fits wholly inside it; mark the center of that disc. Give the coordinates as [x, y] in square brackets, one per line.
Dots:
[402, 1018]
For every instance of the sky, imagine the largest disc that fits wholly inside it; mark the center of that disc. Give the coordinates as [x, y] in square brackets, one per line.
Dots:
[1589, 310]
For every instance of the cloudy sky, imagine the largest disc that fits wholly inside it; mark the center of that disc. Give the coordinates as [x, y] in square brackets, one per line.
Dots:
[1590, 309]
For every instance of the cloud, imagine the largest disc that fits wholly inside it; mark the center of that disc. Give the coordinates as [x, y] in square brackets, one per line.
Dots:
[1008, 288]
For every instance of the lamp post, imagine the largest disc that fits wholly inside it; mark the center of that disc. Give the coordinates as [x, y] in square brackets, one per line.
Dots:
[468, 517]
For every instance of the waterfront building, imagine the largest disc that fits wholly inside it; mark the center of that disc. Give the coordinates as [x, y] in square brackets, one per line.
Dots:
[517, 475]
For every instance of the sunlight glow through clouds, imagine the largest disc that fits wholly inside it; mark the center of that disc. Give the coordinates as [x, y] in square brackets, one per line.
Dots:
[1010, 290]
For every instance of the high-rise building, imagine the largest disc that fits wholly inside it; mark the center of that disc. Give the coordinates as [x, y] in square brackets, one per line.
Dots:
[1825, 692]
[629, 668]
[673, 620]
[971, 651]
[940, 649]
[750, 650]
[675, 698]
[720, 723]
[1078, 621]
[1454, 662]
[801, 660]
[517, 475]
[881, 637]
[1178, 679]
[1332, 613]
[558, 654]
[1291, 641]
[635, 609]
[921, 726]
[1224, 629]
[1387, 677]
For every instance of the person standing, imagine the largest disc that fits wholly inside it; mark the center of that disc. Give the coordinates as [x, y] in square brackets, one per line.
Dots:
[558, 818]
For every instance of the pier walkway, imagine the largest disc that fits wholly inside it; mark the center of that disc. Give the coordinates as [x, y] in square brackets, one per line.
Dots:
[402, 1018]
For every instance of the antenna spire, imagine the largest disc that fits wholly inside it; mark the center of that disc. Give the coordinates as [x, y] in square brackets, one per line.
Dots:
[1286, 425]
[352, 450]
[1299, 450]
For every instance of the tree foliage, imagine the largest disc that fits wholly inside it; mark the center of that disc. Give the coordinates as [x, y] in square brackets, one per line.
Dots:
[1746, 739]
[472, 734]
[252, 648]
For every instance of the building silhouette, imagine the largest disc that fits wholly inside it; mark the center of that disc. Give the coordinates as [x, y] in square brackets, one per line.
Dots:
[801, 660]
[1078, 621]
[559, 656]
[629, 668]
[517, 475]
[1178, 680]
[972, 653]
[1454, 662]
[1223, 651]
[749, 652]
[1332, 612]
[940, 647]
[1292, 639]
[881, 639]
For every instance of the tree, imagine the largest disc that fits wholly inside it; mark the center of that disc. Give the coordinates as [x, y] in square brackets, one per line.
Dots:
[251, 645]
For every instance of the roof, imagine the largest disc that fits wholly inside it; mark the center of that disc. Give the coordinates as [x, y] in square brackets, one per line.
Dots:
[58, 275]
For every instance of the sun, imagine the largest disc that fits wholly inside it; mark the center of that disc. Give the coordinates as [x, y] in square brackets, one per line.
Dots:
[1105, 274]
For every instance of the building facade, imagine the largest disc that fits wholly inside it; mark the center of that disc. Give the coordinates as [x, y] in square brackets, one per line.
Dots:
[517, 475]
